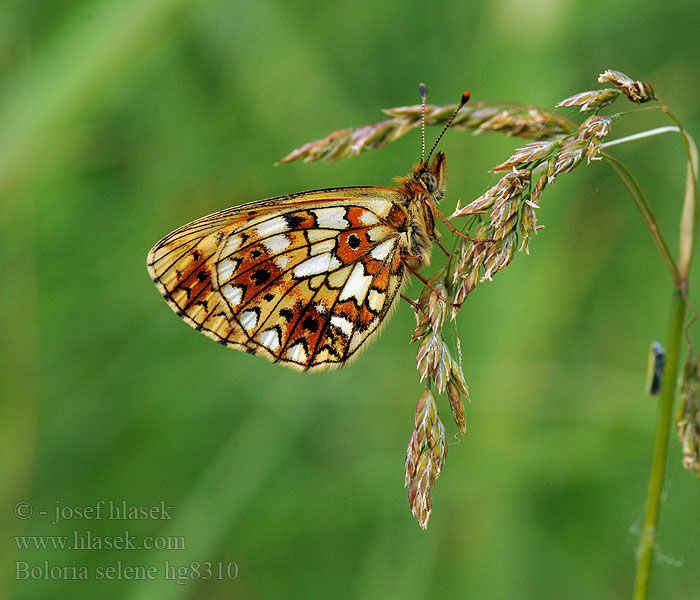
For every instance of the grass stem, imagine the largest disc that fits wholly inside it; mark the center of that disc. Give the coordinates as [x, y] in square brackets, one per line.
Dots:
[659, 454]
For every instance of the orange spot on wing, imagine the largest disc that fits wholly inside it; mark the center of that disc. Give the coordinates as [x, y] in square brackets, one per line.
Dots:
[396, 217]
[381, 281]
[257, 278]
[365, 318]
[309, 328]
[371, 265]
[352, 245]
[353, 215]
[347, 310]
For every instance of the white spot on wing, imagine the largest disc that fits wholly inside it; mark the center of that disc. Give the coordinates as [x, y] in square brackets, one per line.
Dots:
[356, 285]
[380, 232]
[320, 247]
[343, 324]
[225, 269]
[380, 252]
[249, 319]
[333, 218]
[276, 244]
[281, 261]
[356, 339]
[233, 243]
[270, 338]
[321, 263]
[233, 294]
[368, 218]
[376, 300]
[315, 235]
[271, 227]
[297, 353]
[380, 206]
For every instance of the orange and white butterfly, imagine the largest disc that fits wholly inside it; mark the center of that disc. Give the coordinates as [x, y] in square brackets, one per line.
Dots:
[305, 279]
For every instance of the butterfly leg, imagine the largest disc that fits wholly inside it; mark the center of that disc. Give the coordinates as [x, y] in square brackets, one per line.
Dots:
[415, 305]
[452, 228]
[442, 247]
[425, 281]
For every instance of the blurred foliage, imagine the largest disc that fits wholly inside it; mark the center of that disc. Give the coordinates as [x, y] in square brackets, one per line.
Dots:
[120, 121]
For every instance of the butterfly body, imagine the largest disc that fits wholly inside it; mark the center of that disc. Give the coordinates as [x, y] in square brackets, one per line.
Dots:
[305, 279]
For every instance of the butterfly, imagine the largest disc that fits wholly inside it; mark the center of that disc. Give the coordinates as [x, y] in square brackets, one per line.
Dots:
[304, 279]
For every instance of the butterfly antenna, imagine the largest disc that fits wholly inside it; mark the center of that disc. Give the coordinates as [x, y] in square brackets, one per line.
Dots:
[465, 99]
[423, 95]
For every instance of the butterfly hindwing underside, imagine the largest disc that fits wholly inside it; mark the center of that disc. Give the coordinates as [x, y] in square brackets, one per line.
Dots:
[304, 279]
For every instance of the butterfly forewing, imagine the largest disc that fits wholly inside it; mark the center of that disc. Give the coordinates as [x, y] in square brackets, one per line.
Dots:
[304, 279]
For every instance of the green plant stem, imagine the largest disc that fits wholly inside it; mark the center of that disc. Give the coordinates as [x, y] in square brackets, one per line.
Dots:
[641, 135]
[679, 272]
[660, 451]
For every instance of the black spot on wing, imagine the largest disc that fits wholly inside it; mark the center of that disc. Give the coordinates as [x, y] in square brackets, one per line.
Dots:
[260, 276]
[293, 221]
[310, 324]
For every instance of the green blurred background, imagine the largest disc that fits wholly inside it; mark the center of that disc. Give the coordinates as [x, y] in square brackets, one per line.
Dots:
[120, 121]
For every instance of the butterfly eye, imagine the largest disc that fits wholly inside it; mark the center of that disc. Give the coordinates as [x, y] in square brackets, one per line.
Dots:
[429, 180]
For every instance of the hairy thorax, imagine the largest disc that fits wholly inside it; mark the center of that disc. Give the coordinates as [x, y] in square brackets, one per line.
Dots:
[423, 190]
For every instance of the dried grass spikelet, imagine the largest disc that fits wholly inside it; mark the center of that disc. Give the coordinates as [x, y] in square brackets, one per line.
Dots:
[425, 456]
[572, 153]
[508, 209]
[505, 200]
[509, 186]
[513, 120]
[688, 421]
[466, 270]
[529, 153]
[636, 91]
[482, 117]
[456, 388]
[434, 361]
[585, 143]
[591, 100]
[531, 124]
[429, 354]
[594, 130]
[433, 356]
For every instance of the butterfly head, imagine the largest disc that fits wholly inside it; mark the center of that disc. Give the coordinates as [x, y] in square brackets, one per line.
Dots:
[431, 177]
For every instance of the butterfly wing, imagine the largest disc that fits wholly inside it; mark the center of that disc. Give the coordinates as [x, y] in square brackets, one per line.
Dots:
[304, 279]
